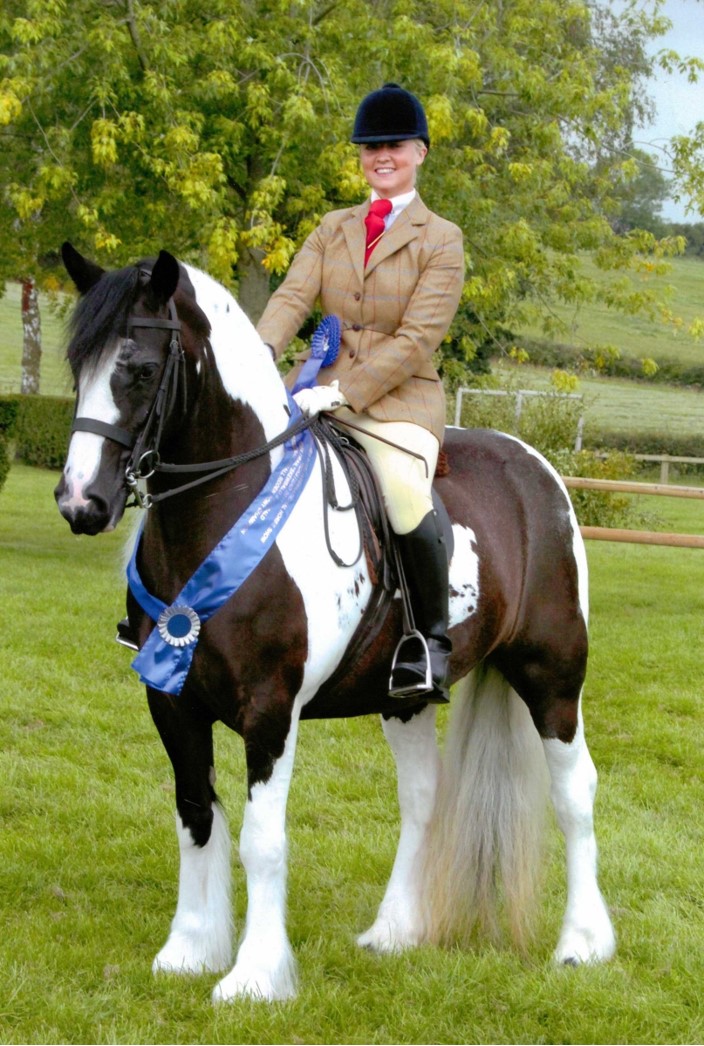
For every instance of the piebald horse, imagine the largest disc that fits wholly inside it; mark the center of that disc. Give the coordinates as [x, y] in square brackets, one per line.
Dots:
[170, 373]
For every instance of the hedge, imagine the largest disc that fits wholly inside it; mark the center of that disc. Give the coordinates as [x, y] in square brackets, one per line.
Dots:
[567, 357]
[8, 420]
[42, 428]
[691, 446]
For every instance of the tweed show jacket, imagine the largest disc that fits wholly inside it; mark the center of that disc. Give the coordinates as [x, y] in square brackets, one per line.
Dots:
[394, 313]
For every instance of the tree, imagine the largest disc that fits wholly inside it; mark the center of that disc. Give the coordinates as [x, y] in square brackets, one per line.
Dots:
[694, 235]
[32, 337]
[220, 130]
[640, 196]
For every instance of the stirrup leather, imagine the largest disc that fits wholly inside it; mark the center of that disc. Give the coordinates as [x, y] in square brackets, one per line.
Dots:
[422, 686]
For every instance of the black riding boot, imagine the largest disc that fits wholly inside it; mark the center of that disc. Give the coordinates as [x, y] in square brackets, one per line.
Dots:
[125, 636]
[424, 557]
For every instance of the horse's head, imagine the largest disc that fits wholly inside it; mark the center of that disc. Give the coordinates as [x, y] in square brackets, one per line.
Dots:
[124, 354]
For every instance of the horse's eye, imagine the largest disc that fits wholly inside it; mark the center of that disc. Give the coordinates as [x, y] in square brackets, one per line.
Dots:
[146, 371]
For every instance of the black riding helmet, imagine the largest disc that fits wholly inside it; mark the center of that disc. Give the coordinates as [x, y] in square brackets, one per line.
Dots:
[390, 114]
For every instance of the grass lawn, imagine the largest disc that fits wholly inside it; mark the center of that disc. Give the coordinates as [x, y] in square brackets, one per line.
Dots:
[88, 856]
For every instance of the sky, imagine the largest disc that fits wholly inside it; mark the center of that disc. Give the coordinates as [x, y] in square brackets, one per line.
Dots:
[679, 104]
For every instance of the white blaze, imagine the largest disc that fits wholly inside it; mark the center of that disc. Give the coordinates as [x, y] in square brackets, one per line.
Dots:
[95, 400]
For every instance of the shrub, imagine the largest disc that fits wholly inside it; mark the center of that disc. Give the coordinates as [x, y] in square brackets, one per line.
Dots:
[597, 508]
[8, 419]
[548, 422]
[544, 353]
[42, 428]
[687, 446]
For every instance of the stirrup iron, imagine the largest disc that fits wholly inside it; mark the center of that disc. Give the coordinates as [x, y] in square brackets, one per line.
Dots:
[424, 686]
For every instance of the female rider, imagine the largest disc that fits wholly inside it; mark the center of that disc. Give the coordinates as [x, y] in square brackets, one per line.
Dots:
[395, 288]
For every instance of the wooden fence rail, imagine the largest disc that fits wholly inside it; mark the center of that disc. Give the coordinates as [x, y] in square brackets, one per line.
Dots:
[640, 537]
[665, 460]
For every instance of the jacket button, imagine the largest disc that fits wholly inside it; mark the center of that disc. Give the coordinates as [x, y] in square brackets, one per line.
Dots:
[357, 296]
[352, 354]
[356, 326]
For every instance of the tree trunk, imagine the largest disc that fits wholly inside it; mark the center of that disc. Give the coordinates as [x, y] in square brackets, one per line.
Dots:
[31, 337]
[253, 293]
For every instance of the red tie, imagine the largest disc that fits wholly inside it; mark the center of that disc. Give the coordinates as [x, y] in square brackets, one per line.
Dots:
[375, 224]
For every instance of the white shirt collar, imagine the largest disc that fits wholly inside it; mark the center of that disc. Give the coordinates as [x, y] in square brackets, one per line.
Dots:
[398, 203]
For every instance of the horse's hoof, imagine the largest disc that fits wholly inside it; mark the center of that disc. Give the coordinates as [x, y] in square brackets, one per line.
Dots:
[187, 959]
[258, 985]
[585, 947]
[384, 940]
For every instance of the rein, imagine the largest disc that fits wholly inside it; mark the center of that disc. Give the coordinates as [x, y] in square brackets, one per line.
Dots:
[212, 468]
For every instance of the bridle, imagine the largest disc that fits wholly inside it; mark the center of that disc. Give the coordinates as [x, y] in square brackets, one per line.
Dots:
[145, 460]
[143, 447]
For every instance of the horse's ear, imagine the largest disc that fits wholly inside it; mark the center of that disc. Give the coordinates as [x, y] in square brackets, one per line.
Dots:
[165, 277]
[85, 274]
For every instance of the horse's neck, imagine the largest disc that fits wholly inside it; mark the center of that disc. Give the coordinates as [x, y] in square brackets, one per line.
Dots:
[244, 363]
[239, 409]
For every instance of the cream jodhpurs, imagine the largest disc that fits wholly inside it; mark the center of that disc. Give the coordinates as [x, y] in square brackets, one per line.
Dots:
[405, 480]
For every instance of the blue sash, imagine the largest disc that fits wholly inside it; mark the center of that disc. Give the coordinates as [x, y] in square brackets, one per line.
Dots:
[164, 660]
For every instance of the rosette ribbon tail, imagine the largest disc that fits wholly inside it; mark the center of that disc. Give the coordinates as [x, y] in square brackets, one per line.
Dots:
[162, 666]
[324, 347]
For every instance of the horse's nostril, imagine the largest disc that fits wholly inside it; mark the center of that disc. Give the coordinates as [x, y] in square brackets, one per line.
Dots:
[89, 515]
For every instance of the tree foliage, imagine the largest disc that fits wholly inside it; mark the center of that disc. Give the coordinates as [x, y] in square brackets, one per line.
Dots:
[220, 130]
[640, 196]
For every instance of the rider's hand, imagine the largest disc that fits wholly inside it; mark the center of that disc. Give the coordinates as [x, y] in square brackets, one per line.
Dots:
[319, 398]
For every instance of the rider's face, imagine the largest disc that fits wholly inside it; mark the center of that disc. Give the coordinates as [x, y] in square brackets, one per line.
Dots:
[391, 167]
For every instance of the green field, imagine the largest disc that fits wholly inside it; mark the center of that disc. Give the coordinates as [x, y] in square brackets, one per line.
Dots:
[639, 336]
[88, 853]
[618, 405]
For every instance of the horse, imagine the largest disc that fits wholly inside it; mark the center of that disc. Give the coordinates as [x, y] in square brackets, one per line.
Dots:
[173, 383]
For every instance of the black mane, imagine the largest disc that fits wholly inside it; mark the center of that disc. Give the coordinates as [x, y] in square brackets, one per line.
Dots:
[101, 315]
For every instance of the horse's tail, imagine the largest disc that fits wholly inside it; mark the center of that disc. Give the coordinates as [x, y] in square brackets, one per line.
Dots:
[484, 844]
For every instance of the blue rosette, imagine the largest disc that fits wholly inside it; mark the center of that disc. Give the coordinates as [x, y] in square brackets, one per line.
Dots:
[324, 347]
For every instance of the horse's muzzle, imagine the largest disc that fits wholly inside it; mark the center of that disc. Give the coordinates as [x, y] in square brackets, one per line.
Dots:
[86, 513]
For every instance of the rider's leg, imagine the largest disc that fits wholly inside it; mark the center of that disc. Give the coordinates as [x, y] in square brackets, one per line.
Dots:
[424, 555]
[406, 484]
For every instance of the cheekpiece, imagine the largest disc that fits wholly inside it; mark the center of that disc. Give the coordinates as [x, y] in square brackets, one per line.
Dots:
[390, 114]
[178, 625]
